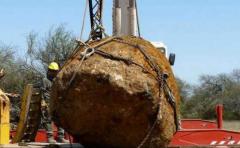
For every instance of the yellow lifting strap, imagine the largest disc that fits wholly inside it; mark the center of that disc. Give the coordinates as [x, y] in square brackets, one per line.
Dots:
[4, 119]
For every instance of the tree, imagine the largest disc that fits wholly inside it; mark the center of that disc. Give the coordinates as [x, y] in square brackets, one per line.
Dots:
[236, 75]
[7, 63]
[57, 46]
[185, 91]
[212, 90]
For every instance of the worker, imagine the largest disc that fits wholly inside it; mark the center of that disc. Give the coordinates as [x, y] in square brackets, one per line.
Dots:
[52, 71]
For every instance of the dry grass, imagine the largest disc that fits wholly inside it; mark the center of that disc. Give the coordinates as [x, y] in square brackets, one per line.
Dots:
[232, 125]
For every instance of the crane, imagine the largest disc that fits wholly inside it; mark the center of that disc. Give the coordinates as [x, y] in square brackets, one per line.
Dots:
[124, 18]
[95, 11]
[125, 22]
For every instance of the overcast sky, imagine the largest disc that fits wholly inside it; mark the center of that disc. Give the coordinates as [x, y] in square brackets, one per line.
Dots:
[204, 34]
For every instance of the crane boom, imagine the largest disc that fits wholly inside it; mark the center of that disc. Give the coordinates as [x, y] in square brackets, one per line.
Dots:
[124, 17]
[95, 10]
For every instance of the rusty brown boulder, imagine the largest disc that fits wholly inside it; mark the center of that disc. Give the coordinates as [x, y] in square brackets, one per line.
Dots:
[112, 98]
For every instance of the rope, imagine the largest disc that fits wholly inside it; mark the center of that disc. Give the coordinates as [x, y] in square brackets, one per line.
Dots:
[81, 43]
[84, 18]
[138, 22]
[160, 79]
[171, 100]
[118, 58]
[148, 134]
[163, 86]
[93, 33]
[85, 54]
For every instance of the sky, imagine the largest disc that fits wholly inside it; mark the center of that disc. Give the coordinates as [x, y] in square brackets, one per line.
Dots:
[204, 34]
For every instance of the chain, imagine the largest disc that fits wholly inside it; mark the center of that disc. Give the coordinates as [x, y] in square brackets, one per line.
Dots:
[163, 89]
[171, 100]
[160, 77]
[84, 55]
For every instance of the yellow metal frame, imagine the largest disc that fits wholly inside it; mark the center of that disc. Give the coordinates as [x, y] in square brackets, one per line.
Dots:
[25, 103]
[4, 119]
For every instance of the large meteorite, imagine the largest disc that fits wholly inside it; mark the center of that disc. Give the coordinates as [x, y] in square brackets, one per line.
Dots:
[113, 97]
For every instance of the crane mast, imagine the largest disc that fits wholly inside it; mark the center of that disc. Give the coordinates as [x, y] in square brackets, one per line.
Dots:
[95, 11]
[124, 17]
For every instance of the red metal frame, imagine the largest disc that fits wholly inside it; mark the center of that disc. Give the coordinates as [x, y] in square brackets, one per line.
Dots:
[219, 111]
[198, 124]
[205, 137]
[42, 135]
[196, 132]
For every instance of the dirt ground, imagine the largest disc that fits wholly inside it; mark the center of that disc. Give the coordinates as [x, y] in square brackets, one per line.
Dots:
[232, 125]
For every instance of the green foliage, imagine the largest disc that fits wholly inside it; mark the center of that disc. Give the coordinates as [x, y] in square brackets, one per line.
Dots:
[185, 93]
[212, 90]
[7, 62]
[56, 46]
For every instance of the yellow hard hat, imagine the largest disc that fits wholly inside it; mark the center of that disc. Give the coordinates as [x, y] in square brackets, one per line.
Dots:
[53, 66]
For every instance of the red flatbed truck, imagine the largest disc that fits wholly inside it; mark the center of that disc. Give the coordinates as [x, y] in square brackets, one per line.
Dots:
[203, 133]
[193, 133]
